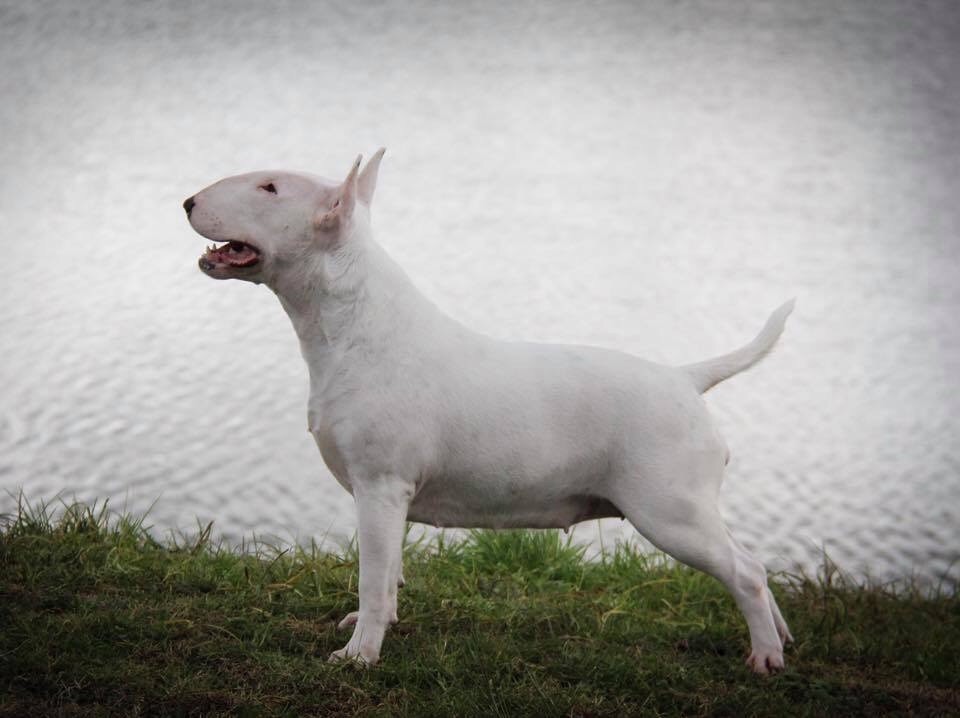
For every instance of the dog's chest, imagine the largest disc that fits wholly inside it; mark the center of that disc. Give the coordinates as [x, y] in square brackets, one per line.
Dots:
[330, 450]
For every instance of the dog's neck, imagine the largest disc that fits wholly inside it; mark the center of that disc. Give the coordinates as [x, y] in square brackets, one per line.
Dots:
[349, 305]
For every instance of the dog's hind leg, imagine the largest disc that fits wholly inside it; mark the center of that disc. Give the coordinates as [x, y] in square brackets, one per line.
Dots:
[782, 629]
[696, 535]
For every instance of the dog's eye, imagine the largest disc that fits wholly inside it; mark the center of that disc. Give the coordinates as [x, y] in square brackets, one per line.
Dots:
[269, 187]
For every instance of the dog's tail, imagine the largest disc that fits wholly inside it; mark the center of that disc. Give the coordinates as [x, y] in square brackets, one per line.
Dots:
[711, 372]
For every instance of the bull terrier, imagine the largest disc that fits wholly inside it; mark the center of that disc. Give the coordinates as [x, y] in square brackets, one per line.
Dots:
[422, 419]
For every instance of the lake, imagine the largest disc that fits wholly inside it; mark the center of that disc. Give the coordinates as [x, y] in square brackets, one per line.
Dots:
[651, 178]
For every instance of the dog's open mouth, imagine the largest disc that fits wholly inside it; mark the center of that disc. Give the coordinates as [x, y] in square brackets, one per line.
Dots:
[231, 254]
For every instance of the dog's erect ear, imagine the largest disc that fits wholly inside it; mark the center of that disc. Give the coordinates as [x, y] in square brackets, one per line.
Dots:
[367, 182]
[332, 218]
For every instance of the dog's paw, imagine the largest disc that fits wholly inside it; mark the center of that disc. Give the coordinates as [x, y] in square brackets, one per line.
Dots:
[351, 620]
[361, 658]
[785, 636]
[766, 663]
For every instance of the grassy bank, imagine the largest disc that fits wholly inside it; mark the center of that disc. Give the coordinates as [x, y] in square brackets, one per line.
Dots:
[99, 618]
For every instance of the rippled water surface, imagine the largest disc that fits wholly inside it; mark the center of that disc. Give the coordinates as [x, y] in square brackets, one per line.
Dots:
[650, 178]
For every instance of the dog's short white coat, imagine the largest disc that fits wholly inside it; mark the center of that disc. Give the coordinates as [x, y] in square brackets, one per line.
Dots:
[422, 419]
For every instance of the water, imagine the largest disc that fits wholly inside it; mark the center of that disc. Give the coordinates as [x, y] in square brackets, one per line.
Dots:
[650, 178]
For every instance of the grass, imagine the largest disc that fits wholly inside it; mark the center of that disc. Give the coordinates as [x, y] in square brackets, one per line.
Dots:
[97, 617]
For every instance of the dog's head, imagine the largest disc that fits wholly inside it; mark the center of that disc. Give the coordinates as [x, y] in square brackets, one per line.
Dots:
[266, 224]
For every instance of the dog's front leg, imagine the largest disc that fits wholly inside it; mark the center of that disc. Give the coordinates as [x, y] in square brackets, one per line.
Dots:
[381, 517]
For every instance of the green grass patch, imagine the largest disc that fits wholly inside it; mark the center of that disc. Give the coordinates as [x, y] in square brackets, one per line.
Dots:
[97, 617]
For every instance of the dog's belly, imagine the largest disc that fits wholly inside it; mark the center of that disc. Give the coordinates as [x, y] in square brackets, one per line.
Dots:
[465, 507]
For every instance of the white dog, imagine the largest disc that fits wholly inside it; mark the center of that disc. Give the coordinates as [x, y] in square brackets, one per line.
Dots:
[422, 419]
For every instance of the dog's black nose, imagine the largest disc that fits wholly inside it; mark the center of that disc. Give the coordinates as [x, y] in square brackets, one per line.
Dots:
[188, 205]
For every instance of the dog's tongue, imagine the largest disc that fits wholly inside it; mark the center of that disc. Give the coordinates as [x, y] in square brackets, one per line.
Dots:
[236, 254]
